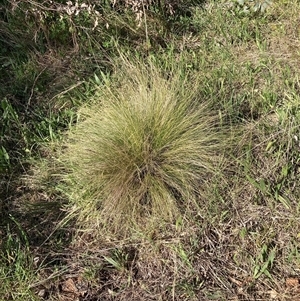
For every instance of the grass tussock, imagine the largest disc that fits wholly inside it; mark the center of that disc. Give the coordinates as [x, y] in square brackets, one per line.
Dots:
[142, 150]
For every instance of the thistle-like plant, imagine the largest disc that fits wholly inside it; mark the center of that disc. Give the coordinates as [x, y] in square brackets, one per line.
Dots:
[142, 150]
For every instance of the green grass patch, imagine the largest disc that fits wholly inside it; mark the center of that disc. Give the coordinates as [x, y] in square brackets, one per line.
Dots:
[17, 271]
[180, 166]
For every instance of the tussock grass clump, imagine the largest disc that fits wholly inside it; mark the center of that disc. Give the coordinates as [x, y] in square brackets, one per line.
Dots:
[142, 149]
